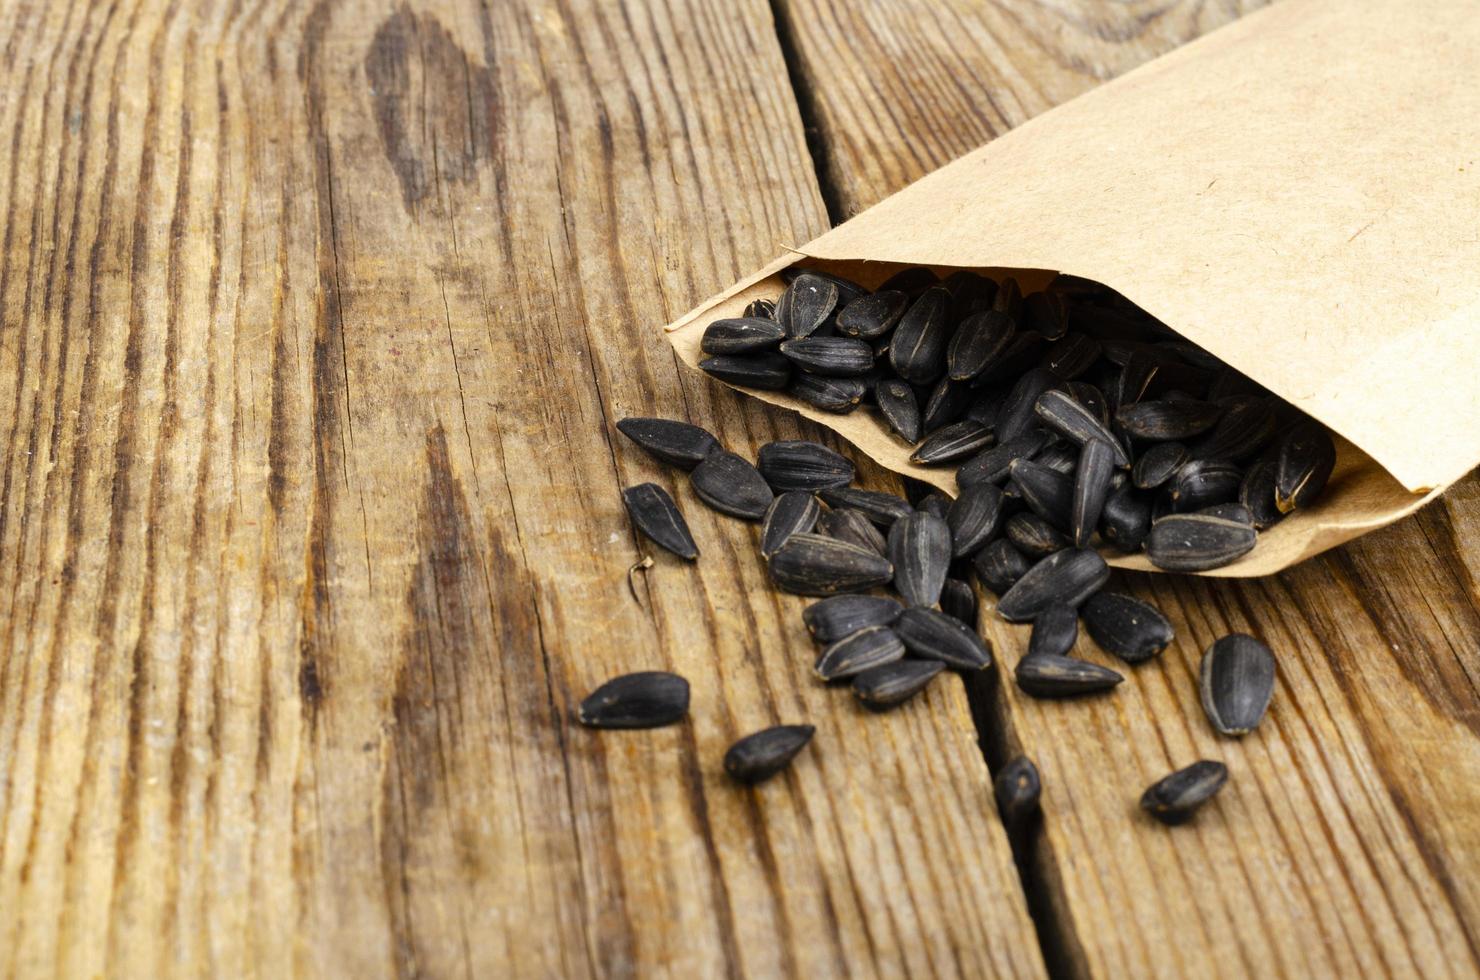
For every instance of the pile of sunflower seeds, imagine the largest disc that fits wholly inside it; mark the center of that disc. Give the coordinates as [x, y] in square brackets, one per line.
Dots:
[1089, 415]
[1112, 428]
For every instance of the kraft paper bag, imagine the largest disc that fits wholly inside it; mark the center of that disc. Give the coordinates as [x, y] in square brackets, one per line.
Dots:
[1298, 192]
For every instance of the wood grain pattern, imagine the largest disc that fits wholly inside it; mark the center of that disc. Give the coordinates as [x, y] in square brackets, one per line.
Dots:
[1345, 843]
[317, 319]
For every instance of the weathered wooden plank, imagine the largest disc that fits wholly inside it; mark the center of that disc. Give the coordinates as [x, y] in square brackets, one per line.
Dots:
[1345, 843]
[317, 319]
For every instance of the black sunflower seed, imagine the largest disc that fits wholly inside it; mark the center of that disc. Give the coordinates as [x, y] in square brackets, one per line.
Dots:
[852, 525]
[1306, 458]
[917, 349]
[995, 465]
[1051, 676]
[1167, 421]
[797, 464]
[1197, 542]
[874, 315]
[761, 308]
[794, 512]
[953, 442]
[882, 508]
[1236, 682]
[1035, 537]
[971, 292]
[1017, 788]
[1069, 577]
[1018, 412]
[1203, 482]
[958, 600]
[1126, 519]
[1072, 355]
[1009, 298]
[811, 564]
[848, 290]
[893, 684]
[896, 401]
[974, 519]
[730, 485]
[834, 618]
[1091, 398]
[1174, 799]
[1246, 427]
[1021, 355]
[762, 755]
[1135, 378]
[807, 302]
[1055, 632]
[647, 699]
[980, 339]
[936, 636]
[768, 371]
[912, 280]
[1047, 313]
[948, 401]
[1046, 491]
[999, 565]
[669, 441]
[1132, 630]
[853, 654]
[1230, 512]
[658, 517]
[984, 408]
[920, 550]
[1257, 493]
[1065, 415]
[837, 395]
[741, 335]
[935, 504]
[1091, 489]
[840, 357]
[1158, 464]
[1061, 456]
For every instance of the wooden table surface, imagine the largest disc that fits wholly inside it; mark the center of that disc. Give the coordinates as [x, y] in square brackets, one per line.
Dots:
[317, 319]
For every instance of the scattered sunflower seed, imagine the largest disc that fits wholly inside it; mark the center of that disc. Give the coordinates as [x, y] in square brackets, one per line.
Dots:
[793, 512]
[807, 302]
[730, 485]
[995, 465]
[658, 517]
[1174, 799]
[1069, 577]
[1167, 421]
[647, 699]
[1197, 542]
[1126, 519]
[958, 600]
[917, 349]
[874, 315]
[1131, 629]
[892, 684]
[857, 652]
[841, 615]
[1068, 417]
[1046, 491]
[810, 564]
[974, 518]
[936, 636]
[669, 441]
[842, 357]
[1236, 682]
[836, 395]
[761, 308]
[800, 465]
[1035, 537]
[1204, 482]
[767, 370]
[920, 549]
[1017, 788]
[762, 755]
[1257, 493]
[852, 525]
[1091, 489]
[1054, 632]
[980, 339]
[882, 508]
[1051, 676]
[1158, 464]
[999, 565]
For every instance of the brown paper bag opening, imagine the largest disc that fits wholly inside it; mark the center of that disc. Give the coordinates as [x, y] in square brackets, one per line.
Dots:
[1296, 193]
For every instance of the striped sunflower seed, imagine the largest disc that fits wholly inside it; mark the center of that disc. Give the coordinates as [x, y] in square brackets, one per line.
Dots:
[948, 401]
[797, 464]
[810, 564]
[767, 370]
[1203, 482]
[1021, 355]
[1174, 799]
[1136, 375]
[936, 636]
[741, 335]
[1230, 512]
[1062, 413]
[1091, 489]
[953, 442]
[882, 508]
[971, 292]
[730, 485]
[995, 465]
[1091, 398]
[853, 654]
[669, 441]
[841, 615]
[1046, 491]
[762, 755]
[917, 348]
[1018, 413]
[1069, 577]
[1158, 464]
[920, 550]
[646, 699]
[761, 308]
[1247, 426]
[1051, 676]
[896, 401]
[658, 517]
[1035, 537]
[837, 395]
[1306, 458]
[935, 504]
[840, 357]
[1018, 789]
[999, 565]
[1126, 519]
[958, 600]
[974, 519]
[1131, 629]
[893, 684]
[807, 302]
[1197, 542]
[852, 525]
[1072, 355]
[1236, 682]
[1009, 297]
[1055, 632]
[1257, 493]
[793, 512]
[872, 316]
[1168, 421]
[980, 339]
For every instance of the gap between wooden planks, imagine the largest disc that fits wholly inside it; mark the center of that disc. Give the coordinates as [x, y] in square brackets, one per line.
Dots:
[1346, 842]
[318, 317]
